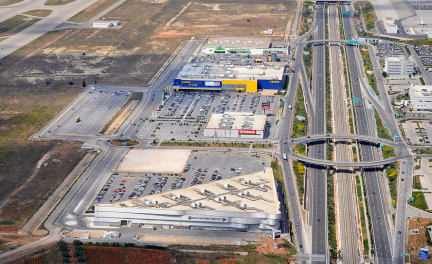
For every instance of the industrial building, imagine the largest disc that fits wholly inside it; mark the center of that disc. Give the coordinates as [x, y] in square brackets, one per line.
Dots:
[201, 76]
[105, 24]
[389, 25]
[400, 66]
[421, 97]
[242, 45]
[235, 125]
[242, 203]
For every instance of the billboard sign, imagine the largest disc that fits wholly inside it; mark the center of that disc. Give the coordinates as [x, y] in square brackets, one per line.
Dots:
[423, 253]
[265, 106]
[276, 234]
[247, 132]
[212, 84]
[205, 218]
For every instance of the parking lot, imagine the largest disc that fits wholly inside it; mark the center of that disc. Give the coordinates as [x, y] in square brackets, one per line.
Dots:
[418, 133]
[184, 115]
[202, 167]
[423, 51]
[426, 61]
[94, 110]
[387, 50]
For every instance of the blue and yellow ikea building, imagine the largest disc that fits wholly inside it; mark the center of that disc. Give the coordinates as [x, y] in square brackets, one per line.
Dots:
[251, 79]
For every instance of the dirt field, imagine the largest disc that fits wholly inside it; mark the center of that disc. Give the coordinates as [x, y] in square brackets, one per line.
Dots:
[415, 242]
[155, 160]
[232, 19]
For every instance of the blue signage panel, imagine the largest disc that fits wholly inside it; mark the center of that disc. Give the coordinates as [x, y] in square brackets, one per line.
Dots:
[270, 84]
[423, 253]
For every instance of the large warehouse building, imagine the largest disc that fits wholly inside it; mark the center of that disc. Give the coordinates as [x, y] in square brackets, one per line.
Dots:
[201, 76]
[241, 45]
[235, 125]
[248, 202]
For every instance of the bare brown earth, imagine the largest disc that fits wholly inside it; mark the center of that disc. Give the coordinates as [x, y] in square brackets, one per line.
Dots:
[415, 242]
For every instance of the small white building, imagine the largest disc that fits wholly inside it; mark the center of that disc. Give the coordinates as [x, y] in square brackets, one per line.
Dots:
[401, 66]
[105, 24]
[421, 97]
[236, 125]
[389, 24]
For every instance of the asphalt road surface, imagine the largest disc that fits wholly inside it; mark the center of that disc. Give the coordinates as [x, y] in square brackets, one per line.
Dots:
[317, 175]
[379, 215]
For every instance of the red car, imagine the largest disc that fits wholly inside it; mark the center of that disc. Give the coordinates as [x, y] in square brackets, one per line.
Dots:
[308, 137]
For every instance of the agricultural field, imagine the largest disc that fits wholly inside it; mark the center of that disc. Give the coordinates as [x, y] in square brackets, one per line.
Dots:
[99, 255]
[142, 256]
[233, 19]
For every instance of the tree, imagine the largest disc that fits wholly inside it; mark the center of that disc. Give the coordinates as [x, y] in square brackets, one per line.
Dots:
[84, 83]
[384, 74]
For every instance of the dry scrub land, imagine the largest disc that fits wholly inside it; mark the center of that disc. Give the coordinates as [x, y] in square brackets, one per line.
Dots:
[23, 111]
[234, 19]
[132, 54]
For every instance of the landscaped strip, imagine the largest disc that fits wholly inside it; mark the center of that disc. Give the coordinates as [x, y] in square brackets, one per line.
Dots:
[300, 128]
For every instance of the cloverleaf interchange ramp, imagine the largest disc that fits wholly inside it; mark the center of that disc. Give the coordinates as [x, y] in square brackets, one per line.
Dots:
[368, 140]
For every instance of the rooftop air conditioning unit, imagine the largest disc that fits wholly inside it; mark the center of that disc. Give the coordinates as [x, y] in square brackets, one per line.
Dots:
[203, 190]
[155, 202]
[243, 206]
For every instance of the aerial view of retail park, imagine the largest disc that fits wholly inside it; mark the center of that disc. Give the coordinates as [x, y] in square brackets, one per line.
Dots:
[215, 131]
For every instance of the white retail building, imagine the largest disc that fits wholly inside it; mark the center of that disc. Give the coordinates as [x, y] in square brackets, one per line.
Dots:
[236, 125]
[248, 202]
[421, 97]
[401, 66]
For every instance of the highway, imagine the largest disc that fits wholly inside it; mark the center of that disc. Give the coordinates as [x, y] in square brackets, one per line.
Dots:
[317, 175]
[378, 208]
[345, 178]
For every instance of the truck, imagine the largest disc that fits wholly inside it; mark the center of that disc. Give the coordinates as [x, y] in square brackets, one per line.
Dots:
[77, 119]
[285, 157]
[290, 107]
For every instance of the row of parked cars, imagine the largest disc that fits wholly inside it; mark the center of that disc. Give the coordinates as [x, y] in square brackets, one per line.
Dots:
[175, 104]
[207, 105]
[158, 185]
[238, 104]
[177, 183]
[192, 105]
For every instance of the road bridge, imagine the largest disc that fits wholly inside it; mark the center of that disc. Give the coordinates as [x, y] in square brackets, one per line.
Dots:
[362, 138]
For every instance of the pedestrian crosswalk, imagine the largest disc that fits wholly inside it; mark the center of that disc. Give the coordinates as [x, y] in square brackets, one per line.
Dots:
[75, 134]
[391, 241]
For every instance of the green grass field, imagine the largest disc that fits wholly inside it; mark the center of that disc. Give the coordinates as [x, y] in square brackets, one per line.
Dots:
[57, 2]
[16, 24]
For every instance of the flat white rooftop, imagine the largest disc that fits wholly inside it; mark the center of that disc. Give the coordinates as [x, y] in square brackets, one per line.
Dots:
[254, 193]
[236, 120]
[238, 42]
[422, 91]
[218, 72]
[399, 58]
